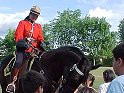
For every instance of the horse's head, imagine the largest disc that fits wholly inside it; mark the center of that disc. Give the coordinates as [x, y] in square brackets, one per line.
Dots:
[75, 75]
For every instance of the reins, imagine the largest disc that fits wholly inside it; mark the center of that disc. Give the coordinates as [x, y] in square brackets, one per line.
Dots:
[44, 72]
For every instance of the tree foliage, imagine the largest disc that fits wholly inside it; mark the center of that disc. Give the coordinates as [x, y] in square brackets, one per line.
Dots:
[99, 40]
[90, 34]
[47, 36]
[63, 29]
[121, 31]
[1, 42]
[2, 49]
[9, 42]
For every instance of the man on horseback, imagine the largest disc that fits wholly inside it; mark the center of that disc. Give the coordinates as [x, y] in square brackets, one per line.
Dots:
[28, 36]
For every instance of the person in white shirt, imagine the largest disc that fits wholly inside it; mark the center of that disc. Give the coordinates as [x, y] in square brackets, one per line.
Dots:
[108, 76]
[117, 85]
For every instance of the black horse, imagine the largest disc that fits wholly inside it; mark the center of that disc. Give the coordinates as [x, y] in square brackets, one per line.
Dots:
[64, 69]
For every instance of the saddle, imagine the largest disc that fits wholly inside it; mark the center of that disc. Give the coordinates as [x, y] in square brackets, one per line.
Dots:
[28, 57]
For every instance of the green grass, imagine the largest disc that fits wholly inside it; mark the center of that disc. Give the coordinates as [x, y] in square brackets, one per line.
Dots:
[98, 76]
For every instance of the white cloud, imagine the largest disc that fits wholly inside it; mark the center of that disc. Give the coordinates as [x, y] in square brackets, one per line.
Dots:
[98, 12]
[111, 16]
[111, 9]
[11, 21]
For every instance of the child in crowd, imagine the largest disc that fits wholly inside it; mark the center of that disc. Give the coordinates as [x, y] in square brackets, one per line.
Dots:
[108, 76]
[88, 86]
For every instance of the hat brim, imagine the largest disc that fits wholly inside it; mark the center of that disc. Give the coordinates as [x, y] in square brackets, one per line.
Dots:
[35, 13]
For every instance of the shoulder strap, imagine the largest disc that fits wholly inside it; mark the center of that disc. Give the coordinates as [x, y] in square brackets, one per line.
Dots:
[31, 31]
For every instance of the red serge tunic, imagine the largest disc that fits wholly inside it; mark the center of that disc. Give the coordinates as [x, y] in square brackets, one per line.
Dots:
[24, 30]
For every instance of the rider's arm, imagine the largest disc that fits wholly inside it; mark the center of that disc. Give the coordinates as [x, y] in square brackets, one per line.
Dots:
[40, 34]
[19, 31]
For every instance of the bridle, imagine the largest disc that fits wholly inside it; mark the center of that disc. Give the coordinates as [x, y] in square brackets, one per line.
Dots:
[65, 76]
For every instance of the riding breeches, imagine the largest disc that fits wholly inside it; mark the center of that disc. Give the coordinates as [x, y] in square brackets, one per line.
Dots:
[19, 59]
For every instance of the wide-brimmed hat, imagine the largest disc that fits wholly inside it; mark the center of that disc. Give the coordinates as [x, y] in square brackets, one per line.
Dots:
[35, 9]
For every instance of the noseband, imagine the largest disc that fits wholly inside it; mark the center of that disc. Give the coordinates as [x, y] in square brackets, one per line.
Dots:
[74, 67]
[77, 70]
[65, 76]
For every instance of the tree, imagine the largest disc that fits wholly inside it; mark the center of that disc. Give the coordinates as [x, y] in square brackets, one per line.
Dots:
[1, 41]
[98, 38]
[9, 41]
[63, 29]
[90, 34]
[2, 50]
[121, 30]
[47, 36]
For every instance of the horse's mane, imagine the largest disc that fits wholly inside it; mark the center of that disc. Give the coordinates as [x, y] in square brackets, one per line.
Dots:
[73, 49]
[77, 51]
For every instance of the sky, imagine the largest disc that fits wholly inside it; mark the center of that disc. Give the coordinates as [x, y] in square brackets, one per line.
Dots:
[13, 11]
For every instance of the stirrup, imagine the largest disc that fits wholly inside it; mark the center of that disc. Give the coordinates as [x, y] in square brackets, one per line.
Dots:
[10, 89]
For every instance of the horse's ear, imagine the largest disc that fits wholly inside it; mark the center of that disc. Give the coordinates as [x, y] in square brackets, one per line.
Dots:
[93, 67]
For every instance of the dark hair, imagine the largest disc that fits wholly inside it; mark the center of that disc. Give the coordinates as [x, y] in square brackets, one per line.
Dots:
[118, 51]
[30, 81]
[28, 19]
[91, 78]
[87, 90]
[108, 75]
